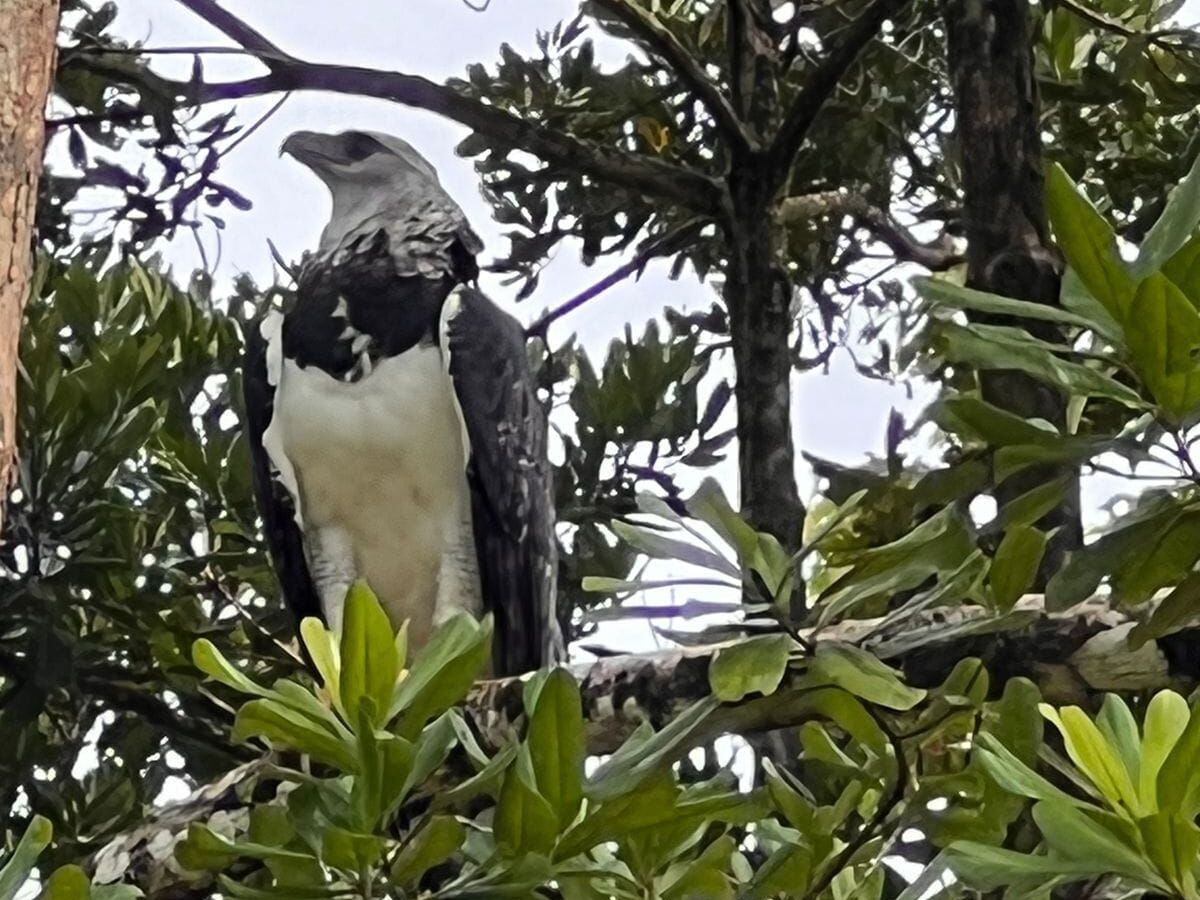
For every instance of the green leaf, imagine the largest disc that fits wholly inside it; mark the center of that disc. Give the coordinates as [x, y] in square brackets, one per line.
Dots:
[1031, 506]
[986, 868]
[1088, 243]
[1013, 775]
[209, 660]
[1163, 333]
[276, 722]
[67, 883]
[1174, 612]
[754, 665]
[369, 662]
[659, 546]
[437, 841]
[1167, 717]
[1174, 227]
[556, 745]
[1172, 843]
[1089, 750]
[1179, 776]
[1015, 565]
[859, 672]
[1077, 836]
[17, 867]
[442, 673]
[640, 757]
[525, 822]
[940, 292]
[323, 649]
[349, 851]
[1120, 730]
[1003, 347]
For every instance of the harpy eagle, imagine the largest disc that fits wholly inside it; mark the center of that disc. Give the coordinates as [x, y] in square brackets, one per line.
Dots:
[392, 418]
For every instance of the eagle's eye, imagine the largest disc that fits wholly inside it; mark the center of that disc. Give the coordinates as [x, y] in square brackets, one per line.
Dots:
[360, 146]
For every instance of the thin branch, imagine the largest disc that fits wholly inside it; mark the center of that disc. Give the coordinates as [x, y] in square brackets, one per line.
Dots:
[936, 256]
[238, 31]
[693, 190]
[646, 26]
[821, 85]
[635, 266]
[1173, 40]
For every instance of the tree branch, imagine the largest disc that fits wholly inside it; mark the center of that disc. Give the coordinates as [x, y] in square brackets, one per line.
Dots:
[691, 189]
[937, 256]
[821, 85]
[646, 26]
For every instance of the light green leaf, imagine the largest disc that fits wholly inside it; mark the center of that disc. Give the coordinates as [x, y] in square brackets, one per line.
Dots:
[369, 663]
[1167, 717]
[276, 722]
[1179, 776]
[17, 867]
[1094, 756]
[753, 665]
[209, 660]
[1120, 730]
[1088, 243]
[322, 648]
[1163, 333]
[439, 839]
[1015, 565]
[1029, 507]
[349, 851]
[442, 673]
[556, 745]
[859, 672]
[67, 883]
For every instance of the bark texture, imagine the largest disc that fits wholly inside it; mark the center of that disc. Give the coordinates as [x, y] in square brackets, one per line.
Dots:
[1008, 250]
[27, 41]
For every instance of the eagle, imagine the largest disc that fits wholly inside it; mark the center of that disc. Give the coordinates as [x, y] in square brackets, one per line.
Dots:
[392, 418]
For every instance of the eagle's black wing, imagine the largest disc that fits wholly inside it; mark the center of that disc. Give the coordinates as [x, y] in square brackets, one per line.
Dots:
[510, 480]
[274, 502]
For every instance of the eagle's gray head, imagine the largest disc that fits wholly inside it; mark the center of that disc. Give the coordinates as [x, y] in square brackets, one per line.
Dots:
[368, 173]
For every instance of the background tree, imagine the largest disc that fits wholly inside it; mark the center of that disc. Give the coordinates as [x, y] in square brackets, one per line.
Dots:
[26, 67]
[776, 152]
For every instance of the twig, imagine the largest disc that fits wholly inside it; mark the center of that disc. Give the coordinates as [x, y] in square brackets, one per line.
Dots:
[658, 248]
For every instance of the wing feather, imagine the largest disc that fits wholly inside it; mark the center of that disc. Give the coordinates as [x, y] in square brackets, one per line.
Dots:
[510, 480]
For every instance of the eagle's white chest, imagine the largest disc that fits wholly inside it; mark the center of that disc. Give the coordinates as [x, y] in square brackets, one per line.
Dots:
[378, 471]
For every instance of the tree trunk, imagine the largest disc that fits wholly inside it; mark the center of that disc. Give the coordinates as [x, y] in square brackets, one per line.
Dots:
[27, 42]
[757, 295]
[997, 107]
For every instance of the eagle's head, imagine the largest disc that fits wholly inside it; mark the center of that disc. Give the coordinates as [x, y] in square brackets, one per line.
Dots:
[367, 173]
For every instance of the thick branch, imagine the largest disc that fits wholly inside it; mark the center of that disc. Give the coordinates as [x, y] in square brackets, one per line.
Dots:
[663, 43]
[821, 85]
[692, 190]
[937, 256]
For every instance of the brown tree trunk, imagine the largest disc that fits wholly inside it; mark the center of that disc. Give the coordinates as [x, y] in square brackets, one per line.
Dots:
[27, 41]
[1008, 252]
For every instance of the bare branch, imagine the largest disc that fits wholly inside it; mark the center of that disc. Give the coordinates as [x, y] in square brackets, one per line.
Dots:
[691, 189]
[238, 31]
[936, 256]
[661, 247]
[822, 83]
[645, 25]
